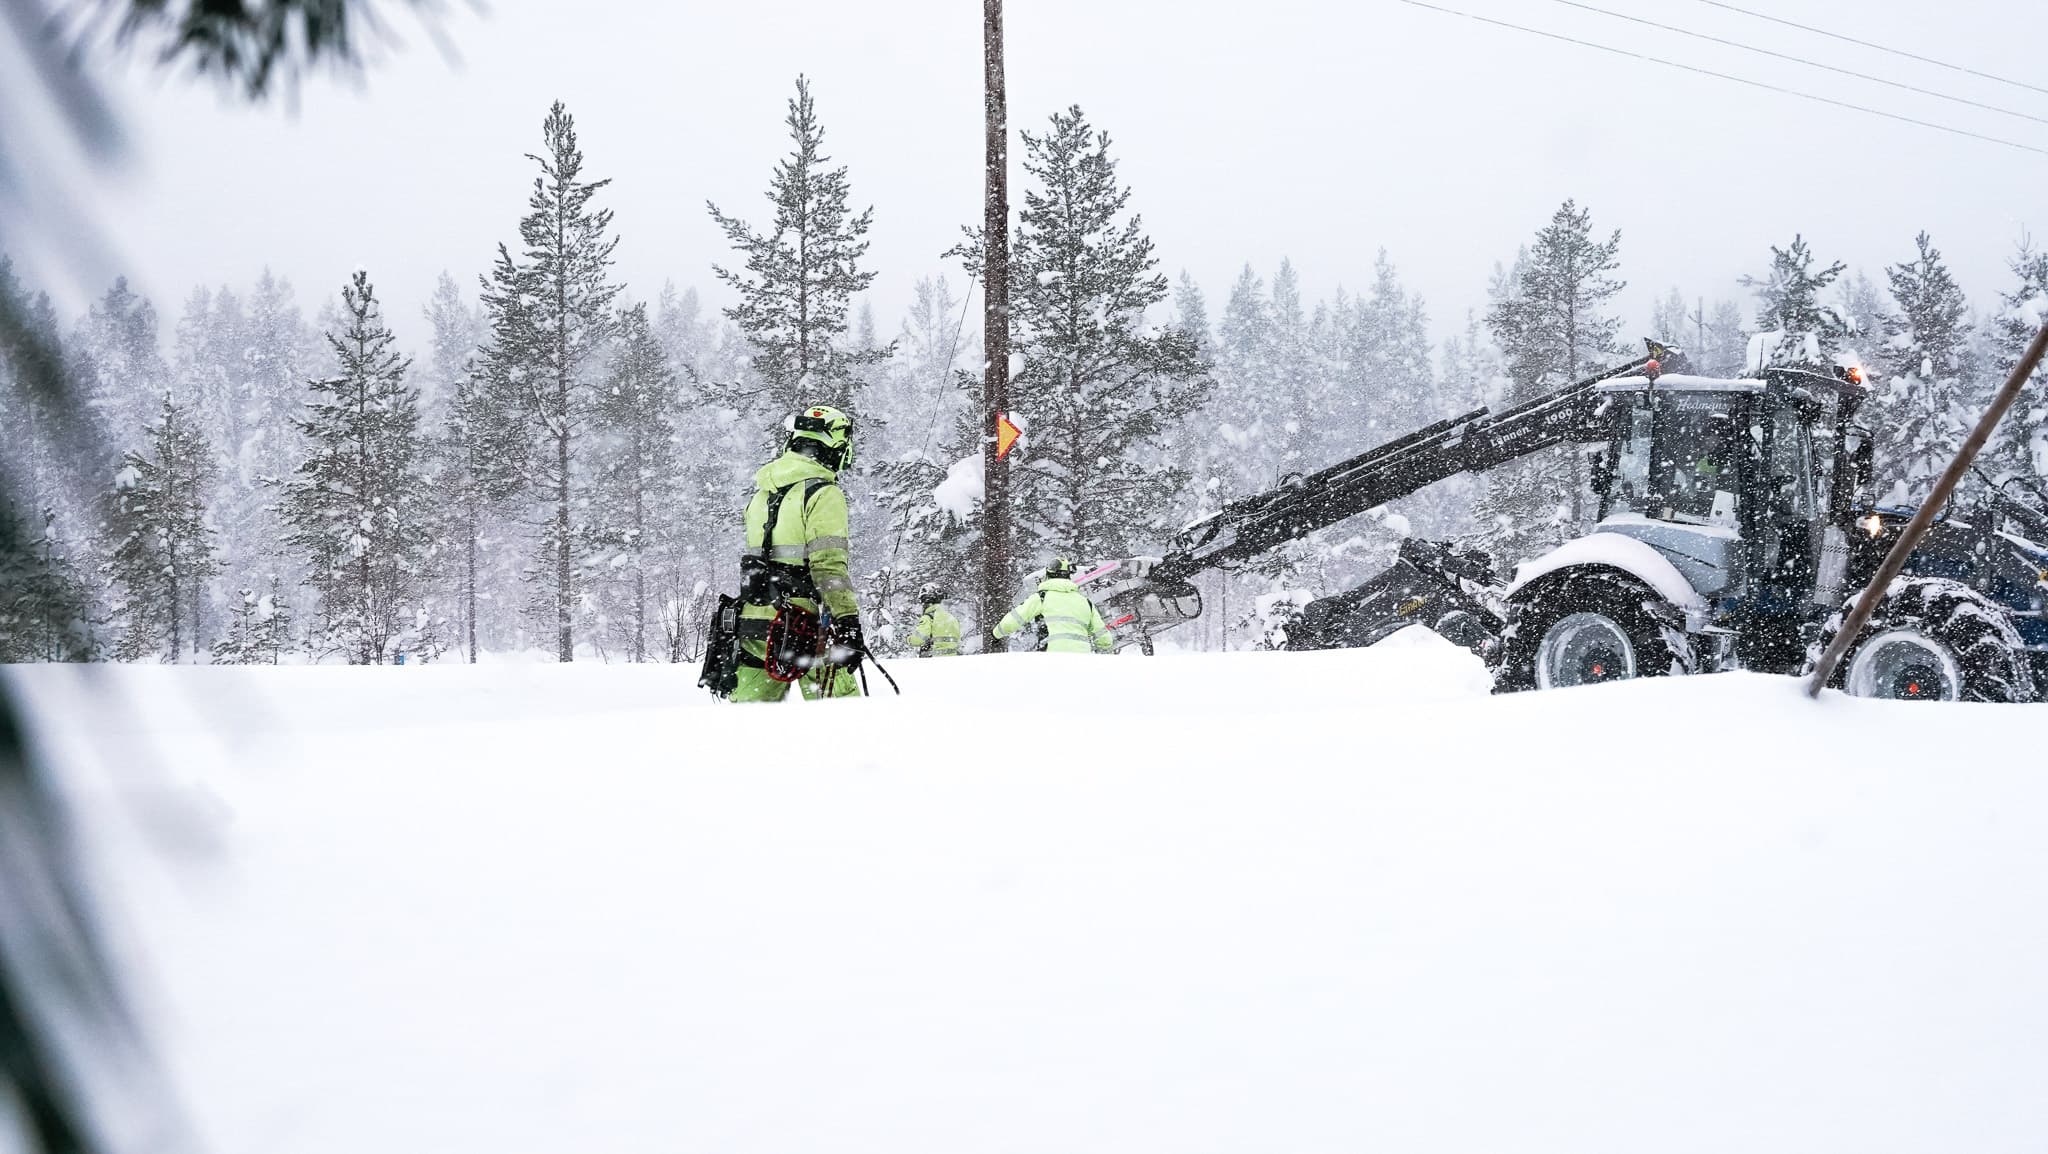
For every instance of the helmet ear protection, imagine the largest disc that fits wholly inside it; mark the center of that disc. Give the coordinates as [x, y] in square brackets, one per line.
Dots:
[1060, 567]
[830, 430]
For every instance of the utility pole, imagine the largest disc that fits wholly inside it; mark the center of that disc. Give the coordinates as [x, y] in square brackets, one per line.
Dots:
[995, 333]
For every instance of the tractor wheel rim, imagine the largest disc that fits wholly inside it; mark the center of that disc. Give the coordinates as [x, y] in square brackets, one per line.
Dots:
[1904, 665]
[1584, 649]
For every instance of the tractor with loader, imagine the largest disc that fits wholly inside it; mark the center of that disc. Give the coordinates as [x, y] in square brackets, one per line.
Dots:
[1734, 523]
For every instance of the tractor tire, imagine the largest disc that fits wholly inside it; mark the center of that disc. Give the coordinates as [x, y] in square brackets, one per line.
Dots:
[1586, 626]
[1931, 639]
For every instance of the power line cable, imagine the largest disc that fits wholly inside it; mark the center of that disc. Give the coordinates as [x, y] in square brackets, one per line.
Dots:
[1850, 72]
[1962, 68]
[1768, 87]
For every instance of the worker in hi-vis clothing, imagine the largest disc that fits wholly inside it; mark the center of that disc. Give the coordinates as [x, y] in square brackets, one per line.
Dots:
[797, 553]
[938, 632]
[1067, 621]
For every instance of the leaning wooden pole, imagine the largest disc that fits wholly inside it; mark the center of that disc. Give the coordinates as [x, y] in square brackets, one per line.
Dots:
[1917, 527]
[995, 333]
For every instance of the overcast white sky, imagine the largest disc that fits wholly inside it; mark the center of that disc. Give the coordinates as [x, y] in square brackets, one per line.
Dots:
[1321, 130]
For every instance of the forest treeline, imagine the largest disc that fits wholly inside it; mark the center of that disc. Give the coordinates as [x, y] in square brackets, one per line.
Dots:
[550, 460]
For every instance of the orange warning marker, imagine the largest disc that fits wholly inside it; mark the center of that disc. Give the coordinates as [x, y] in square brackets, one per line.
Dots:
[1006, 435]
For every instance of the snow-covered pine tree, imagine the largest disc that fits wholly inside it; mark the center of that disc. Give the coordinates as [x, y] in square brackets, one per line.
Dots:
[637, 483]
[357, 509]
[551, 316]
[801, 275]
[161, 548]
[1789, 296]
[2021, 443]
[1922, 414]
[1550, 319]
[1100, 389]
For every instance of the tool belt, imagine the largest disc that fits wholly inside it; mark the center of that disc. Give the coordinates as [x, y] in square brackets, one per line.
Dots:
[765, 582]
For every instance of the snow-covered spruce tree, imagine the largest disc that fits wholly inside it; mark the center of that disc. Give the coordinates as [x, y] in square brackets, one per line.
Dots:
[356, 510]
[1789, 297]
[801, 274]
[551, 316]
[1550, 320]
[1922, 412]
[1100, 390]
[637, 485]
[160, 546]
[2021, 443]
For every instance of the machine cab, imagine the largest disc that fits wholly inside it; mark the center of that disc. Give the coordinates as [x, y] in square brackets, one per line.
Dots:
[1722, 476]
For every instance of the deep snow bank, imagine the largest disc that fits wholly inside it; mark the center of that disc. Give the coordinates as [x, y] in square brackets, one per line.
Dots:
[1262, 902]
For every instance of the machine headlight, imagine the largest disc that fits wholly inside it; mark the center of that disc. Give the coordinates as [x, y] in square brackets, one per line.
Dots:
[1875, 524]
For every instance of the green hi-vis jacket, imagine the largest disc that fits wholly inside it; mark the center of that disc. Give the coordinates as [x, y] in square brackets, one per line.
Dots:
[937, 634]
[809, 533]
[1072, 624]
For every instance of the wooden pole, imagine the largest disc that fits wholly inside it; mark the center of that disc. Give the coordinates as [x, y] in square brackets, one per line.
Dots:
[1917, 527]
[995, 330]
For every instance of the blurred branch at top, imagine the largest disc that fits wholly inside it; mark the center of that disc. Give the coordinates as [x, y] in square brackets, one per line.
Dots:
[249, 45]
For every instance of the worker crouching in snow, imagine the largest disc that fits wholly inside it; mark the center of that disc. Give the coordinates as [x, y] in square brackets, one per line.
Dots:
[796, 559]
[938, 632]
[1067, 621]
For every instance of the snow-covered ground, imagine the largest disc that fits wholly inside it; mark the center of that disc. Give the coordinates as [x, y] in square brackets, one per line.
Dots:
[1260, 902]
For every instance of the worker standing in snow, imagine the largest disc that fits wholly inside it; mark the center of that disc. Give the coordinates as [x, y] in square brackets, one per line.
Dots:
[796, 561]
[938, 631]
[1067, 621]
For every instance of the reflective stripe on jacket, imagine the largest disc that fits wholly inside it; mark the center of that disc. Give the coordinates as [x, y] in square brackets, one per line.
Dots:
[937, 634]
[1072, 624]
[809, 533]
